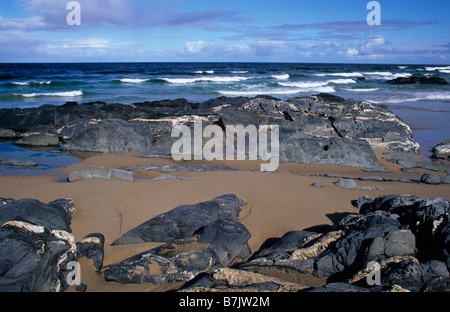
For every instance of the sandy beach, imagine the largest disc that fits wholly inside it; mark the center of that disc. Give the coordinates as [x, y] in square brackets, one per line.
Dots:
[276, 202]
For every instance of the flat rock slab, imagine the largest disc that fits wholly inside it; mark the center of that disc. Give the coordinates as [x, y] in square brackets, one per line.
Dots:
[101, 172]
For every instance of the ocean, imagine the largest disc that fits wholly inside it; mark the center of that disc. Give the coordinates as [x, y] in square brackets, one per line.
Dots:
[426, 108]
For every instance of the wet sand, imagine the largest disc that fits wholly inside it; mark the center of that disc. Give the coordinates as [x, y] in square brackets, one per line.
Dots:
[276, 202]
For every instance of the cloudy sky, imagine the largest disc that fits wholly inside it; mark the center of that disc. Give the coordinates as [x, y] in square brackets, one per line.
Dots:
[411, 31]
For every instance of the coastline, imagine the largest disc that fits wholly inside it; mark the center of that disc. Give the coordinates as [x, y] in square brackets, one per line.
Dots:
[277, 202]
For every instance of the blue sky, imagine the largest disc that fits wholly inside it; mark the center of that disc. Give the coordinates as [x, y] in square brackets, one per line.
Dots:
[411, 32]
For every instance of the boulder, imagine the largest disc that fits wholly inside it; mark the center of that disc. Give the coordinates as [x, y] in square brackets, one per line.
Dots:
[183, 221]
[430, 178]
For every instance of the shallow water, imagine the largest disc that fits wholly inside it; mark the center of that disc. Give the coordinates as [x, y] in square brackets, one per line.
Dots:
[48, 160]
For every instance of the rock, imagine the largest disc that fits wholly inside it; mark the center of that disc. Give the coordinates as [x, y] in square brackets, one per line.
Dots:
[42, 135]
[346, 183]
[430, 178]
[8, 134]
[227, 279]
[55, 215]
[441, 150]
[100, 172]
[36, 246]
[338, 287]
[91, 247]
[225, 239]
[17, 162]
[445, 179]
[34, 258]
[183, 221]
[110, 135]
[322, 129]
[417, 79]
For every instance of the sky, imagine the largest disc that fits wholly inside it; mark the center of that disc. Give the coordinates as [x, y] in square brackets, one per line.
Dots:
[303, 31]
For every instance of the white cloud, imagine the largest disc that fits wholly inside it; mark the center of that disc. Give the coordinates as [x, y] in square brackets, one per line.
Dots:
[352, 52]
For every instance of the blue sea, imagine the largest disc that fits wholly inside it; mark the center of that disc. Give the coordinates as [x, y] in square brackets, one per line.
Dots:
[426, 108]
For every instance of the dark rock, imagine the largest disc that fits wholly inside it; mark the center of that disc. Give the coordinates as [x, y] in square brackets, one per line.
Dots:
[183, 221]
[91, 247]
[412, 275]
[55, 215]
[111, 135]
[430, 178]
[33, 258]
[227, 240]
[338, 287]
[417, 79]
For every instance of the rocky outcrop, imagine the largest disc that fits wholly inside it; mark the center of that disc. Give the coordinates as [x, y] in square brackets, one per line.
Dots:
[320, 129]
[38, 253]
[418, 80]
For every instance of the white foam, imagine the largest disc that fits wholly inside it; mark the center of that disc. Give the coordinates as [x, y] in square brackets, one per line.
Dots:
[341, 81]
[304, 84]
[355, 74]
[403, 67]
[387, 75]
[27, 83]
[62, 94]
[281, 77]
[437, 68]
[224, 79]
[276, 91]
[445, 71]
[239, 71]
[361, 89]
[204, 72]
[133, 80]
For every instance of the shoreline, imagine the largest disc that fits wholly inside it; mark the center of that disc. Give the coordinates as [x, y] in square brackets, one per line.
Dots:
[277, 202]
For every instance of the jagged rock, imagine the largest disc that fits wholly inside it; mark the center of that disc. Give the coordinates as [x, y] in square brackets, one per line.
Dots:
[55, 215]
[34, 258]
[225, 240]
[91, 247]
[183, 221]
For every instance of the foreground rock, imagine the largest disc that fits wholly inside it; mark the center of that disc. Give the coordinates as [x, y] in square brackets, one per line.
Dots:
[320, 129]
[183, 221]
[407, 236]
[37, 251]
[222, 241]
